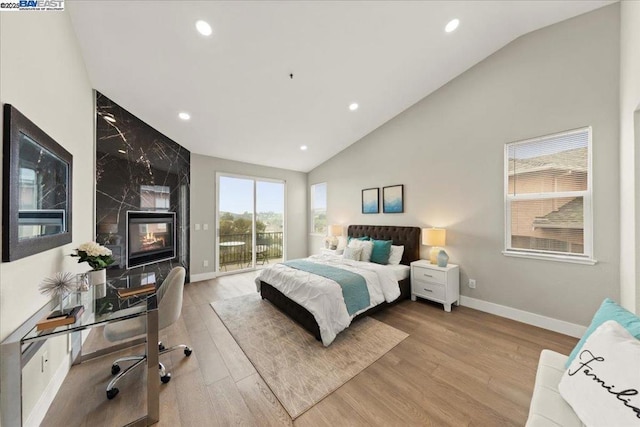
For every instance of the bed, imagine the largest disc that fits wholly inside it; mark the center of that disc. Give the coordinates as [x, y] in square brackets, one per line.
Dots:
[409, 237]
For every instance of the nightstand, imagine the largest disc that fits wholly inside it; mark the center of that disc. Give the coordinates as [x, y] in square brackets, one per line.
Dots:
[440, 284]
[331, 251]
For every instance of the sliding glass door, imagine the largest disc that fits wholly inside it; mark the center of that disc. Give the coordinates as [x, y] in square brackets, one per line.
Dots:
[251, 222]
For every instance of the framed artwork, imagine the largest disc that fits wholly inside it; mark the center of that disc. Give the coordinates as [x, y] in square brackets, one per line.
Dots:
[371, 201]
[393, 199]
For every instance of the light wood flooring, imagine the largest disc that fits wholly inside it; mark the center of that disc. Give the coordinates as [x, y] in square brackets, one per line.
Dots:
[460, 368]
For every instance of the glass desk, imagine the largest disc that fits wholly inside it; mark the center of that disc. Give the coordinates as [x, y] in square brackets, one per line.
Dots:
[101, 303]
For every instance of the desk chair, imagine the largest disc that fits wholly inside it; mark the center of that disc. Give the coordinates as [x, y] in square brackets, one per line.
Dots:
[169, 308]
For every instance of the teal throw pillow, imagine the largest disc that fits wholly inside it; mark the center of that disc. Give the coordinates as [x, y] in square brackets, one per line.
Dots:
[363, 238]
[381, 251]
[608, 310]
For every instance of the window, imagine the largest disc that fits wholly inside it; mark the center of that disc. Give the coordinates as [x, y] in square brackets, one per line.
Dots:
[548, 197]
[319, 208]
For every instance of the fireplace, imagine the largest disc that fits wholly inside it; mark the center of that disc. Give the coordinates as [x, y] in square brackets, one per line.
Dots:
[151, 237]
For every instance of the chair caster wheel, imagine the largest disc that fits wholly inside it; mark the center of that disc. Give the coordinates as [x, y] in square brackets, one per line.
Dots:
[165, 379]
[115, 368]
[161, 347]
[188, 351]
[112, 393]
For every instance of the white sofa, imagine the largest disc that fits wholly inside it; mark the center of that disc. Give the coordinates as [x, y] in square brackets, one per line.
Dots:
[548, 408]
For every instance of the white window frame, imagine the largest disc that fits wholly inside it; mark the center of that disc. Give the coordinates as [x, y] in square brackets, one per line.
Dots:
[587, 195]
[311, 208]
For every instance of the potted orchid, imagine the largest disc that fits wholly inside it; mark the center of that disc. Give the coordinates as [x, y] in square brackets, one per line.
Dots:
[98, 257]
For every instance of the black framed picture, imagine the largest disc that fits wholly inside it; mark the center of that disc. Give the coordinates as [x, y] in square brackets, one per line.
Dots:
[371, 201]
[393, 199]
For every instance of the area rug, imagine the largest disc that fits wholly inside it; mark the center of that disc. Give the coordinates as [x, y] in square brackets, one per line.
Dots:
[300, 370]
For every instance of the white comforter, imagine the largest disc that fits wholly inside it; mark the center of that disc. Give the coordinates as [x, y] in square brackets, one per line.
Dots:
[322, 297]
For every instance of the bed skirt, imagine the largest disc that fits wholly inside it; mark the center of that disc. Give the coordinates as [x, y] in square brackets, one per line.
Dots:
[306, 319]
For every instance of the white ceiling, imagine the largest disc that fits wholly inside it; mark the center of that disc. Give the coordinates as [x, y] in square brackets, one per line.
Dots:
[384, 55]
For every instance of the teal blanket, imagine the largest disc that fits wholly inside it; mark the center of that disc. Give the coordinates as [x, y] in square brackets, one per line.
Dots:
[354, 286]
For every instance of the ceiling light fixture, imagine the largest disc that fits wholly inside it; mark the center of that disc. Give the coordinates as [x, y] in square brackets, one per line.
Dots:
[452, 25]
[353, 106]
[303, 147]
[203, 28]
[184, 116]
[122, 152]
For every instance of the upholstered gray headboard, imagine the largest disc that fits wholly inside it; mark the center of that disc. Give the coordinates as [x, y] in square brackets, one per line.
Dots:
[409, 237]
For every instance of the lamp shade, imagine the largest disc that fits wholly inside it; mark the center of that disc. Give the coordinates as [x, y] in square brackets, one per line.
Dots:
[434, 236]
[335, 230]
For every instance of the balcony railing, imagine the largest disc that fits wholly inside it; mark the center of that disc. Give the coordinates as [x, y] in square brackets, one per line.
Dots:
[236, 248]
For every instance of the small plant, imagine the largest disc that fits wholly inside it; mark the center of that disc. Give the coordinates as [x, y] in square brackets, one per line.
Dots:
[96, 255]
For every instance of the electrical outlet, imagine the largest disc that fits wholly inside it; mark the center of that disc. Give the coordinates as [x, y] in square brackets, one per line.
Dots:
[205, 226]
[472, 283]
[197, 227]
[44, 360]
[205, 263]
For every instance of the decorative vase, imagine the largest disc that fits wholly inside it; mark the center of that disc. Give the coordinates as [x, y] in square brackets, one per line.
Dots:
[98, 279]
[443, 258]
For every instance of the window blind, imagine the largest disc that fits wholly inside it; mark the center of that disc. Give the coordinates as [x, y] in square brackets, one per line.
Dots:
[548, 194]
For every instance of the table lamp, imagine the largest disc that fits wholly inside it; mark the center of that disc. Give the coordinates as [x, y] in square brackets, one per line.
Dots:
[436, 238]
[334, 231]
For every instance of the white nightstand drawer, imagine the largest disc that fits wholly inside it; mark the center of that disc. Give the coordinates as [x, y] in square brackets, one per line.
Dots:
[429, 275]
[441, 284]
[429, 290]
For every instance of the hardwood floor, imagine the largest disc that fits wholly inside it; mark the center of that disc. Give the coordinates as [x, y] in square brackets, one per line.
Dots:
[460, 368]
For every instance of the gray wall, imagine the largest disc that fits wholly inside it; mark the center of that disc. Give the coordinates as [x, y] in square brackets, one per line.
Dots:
[203, 207]
[448, 152]
[43, 75]
[629, 155]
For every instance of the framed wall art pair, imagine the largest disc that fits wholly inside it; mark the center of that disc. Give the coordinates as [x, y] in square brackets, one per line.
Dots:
[392, 200]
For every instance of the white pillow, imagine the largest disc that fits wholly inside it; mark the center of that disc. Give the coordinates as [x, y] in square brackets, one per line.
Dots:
[352, 253]
[342, 243]
[367, 248]
[602, 384]
[395, 256]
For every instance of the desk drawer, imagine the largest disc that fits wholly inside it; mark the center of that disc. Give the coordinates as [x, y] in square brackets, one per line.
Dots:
[429, 290]
[433, 276]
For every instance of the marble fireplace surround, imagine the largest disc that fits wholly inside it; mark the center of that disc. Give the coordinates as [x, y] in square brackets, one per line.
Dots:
[138, 169]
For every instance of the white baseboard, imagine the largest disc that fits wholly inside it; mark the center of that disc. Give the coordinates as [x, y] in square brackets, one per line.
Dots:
[42, 406]
[202, 276]
[529, 318]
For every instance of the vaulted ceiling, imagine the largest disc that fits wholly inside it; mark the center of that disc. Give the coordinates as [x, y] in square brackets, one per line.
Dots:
[277, 75]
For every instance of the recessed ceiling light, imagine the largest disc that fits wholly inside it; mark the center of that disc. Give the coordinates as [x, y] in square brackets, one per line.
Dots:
[303, 147]
[353, 106]
[203, 28]
[122, 152]
[452, 25]
[184, 116]
[110, 119]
